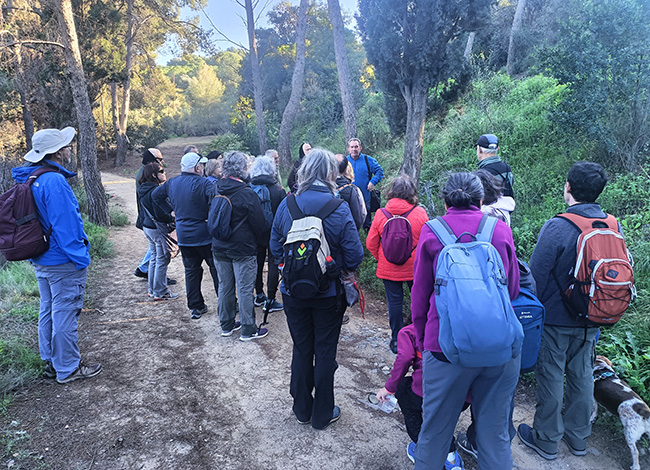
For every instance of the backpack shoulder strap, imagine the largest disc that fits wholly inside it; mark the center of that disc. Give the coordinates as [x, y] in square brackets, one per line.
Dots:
[328, 208]
[370, 175]
[387, 214]
[587, 223]
[442, 230]
[406, 214]
[486, 228]
[39, 171]
[294, 210]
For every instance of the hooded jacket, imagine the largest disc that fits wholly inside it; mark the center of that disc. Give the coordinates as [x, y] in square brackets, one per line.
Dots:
[246, 207]
[385, 269]
[58, 208]
[145, 202]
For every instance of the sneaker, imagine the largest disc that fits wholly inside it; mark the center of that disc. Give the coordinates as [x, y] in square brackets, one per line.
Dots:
[140, 273]
[573, 450]
[410, 451]
[463, 443]
[260, 299]
[167, 296]
[171, 282]
[455, 464]
[198, 312]
[336, 414]
[526, 436]
[82, 372]
[303, 422]
[346, 320]
[235, 328]
[150, 295]
[49, 372]
[272, 305]
[260, 333]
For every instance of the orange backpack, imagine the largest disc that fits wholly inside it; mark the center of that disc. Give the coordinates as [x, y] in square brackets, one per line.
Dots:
[602, 286]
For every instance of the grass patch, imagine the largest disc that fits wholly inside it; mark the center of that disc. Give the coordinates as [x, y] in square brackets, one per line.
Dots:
[100, 245]
[118, 218]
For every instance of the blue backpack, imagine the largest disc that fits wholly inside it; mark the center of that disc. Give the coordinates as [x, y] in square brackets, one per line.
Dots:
[264, 194]
[531, 314]
[478, 327]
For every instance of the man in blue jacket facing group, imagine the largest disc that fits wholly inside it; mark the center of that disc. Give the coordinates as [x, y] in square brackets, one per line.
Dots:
[60, 271]
[189, 196]
[367, 173]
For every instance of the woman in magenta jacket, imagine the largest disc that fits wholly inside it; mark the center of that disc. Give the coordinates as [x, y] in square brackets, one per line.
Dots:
[445, 385]
[402, 199]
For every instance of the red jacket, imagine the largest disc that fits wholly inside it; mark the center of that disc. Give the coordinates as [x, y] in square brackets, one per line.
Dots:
[386, 270]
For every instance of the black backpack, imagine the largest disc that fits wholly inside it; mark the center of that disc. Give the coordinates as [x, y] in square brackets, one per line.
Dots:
[308, 266]
[21, 234]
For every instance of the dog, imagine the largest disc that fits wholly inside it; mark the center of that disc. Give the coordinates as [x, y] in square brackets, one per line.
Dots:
[617, 396]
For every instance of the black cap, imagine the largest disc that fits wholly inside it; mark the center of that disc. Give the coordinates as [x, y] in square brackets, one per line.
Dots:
[488, 141]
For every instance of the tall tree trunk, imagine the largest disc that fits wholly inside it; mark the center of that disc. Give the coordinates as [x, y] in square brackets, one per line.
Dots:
[97, 204]
[297, 80]
[257, 79]
[120, 137]
[470, 45]
[120, 132]
[516, 27]
[416, 98]
[28, 118]
[345, 83]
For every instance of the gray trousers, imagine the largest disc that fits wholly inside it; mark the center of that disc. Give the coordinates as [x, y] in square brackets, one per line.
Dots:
[445, 388]
[240, 273]
[565, 351]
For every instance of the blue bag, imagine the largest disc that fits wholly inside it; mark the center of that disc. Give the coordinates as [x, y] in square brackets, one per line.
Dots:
[531, 313]
[478, 327]
[264, 195]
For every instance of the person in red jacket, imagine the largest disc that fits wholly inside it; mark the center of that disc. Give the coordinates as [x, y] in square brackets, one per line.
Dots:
[402, 200]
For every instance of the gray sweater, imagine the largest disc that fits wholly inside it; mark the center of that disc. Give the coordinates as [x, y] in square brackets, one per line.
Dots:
[555, 253]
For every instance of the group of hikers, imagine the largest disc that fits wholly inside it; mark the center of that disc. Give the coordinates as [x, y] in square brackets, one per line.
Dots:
[461, 347]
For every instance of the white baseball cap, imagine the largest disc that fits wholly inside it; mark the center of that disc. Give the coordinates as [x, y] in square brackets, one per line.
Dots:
[49, 141]
[190, 160]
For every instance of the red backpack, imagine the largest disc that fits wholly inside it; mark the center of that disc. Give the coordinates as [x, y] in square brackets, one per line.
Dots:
[21, 233]
[602, 286]
[397, 237]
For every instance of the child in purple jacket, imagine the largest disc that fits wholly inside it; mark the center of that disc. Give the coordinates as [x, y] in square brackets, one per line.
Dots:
[408, 391]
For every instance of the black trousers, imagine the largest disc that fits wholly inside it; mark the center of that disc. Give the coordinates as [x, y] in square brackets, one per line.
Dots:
[273, 277]
[411, 405]
[315, 326]
[193, 257]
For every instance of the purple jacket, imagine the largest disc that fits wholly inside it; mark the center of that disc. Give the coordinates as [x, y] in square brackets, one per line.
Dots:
[423, 307]
[408, 355]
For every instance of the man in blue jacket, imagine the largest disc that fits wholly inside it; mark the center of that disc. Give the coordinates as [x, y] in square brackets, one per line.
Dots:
[189, 196]
[367, 173]
[61, 270]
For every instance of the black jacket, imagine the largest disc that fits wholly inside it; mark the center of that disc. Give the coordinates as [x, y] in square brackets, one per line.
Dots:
[291, 180]
[144, 202]
[245, 205]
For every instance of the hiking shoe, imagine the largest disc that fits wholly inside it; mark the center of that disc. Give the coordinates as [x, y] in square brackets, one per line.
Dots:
[82, 372]
[336, 414]
[463, 443]
[526, 436]
[346, 320]
[410, 451]
[260, 333]
[171, 282]
[272, 305]
[456, 464]
[167, 296]
[140, 273]
[150, 295]
[199, 312]
[235, 328]
[260, 299]
[49, 372]
[573, 450]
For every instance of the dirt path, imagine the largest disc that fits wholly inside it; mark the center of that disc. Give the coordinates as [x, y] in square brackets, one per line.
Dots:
[174, 394]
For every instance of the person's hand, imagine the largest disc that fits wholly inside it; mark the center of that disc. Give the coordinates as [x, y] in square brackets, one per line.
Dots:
[371, 186]
[382, 395]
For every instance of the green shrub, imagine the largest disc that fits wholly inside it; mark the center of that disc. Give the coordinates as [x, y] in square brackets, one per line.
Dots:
[118, 218]
[18, 363]
[225, 143]
[100, 245]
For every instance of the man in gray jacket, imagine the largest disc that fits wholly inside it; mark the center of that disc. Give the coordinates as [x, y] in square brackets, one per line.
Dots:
[568, 343]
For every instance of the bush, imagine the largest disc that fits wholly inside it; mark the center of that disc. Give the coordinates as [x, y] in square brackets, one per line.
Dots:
[118, 218]
[100, 245]
[225, 143]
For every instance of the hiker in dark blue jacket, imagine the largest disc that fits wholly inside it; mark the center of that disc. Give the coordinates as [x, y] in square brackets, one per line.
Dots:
[189, 196]
[367, 174]
[315, 324]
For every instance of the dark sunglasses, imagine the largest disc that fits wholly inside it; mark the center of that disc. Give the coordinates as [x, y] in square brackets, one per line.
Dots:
[162, 170]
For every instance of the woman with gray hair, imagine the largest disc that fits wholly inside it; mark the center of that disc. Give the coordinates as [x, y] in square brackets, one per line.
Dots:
[271, 194]
[236, 258]
[315, 320]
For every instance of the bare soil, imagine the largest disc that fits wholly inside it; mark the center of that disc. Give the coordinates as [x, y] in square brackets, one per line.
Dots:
[174, 394]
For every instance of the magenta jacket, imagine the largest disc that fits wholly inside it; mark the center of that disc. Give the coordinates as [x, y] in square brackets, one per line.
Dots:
[408, 355]
[423, 306]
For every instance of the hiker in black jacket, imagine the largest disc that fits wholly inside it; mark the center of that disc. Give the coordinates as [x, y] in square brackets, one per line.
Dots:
[487, 149]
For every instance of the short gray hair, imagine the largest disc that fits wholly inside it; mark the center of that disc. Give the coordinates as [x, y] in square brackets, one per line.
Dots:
[318, 165]
[271, 153]
[190, 148]
[213, 167]
[263, 166]
[235, 165]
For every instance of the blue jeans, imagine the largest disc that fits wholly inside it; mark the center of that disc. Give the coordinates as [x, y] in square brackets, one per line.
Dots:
[160, 259]
[237, 272]
[62, 294]
[395, 301]
[144, 264]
